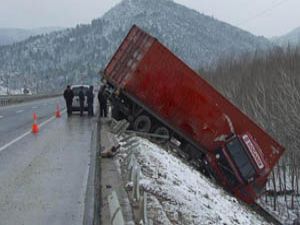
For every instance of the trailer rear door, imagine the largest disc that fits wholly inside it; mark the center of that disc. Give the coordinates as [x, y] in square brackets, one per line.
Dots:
[129, 54]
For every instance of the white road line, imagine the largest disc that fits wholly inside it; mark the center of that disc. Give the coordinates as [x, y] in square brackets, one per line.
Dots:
[34, 107]
[26, 133]
[20, 111]
[1, 117]
[47, 121]
[14, 141]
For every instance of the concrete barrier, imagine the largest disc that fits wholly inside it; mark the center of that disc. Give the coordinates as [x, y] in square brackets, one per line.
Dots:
[13, 99]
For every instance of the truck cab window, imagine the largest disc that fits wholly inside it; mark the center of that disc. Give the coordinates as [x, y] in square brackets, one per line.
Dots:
[241, 159]
[225, 168]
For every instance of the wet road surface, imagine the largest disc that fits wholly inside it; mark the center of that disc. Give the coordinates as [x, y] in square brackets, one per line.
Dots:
[43, 177]
[17, 119]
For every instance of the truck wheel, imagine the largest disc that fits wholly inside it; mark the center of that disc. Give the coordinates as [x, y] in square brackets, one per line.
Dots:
[162, 131]
[142, 124]
[117, 114]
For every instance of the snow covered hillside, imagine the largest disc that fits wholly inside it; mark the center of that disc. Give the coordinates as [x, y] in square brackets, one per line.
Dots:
[3, 91]
[77, 54]
[181, 195]
[292, 38]
[12, 35]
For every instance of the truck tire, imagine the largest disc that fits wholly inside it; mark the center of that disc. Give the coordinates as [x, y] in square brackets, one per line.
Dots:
[142, 124]
[162, 131]
[117, 114]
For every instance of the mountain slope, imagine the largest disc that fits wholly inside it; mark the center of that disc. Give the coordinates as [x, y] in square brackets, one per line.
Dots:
[11, 35]
[292, 38]
[75, 54]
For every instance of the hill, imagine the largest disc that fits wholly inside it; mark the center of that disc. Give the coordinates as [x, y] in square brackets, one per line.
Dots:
[51, 61]
[292, 38]
[12, 35]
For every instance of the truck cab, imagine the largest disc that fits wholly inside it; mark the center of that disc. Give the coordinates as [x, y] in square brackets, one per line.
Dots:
[239, 166]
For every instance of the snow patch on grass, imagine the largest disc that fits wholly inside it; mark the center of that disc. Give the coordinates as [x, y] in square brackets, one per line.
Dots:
[181, 195]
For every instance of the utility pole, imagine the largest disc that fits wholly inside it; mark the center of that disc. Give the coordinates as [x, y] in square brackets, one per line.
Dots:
[7, 90]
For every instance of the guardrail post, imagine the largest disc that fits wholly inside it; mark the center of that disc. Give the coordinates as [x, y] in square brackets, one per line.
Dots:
[139, 202]
[116, 215]
[131, 165]
[145, 214]
[132, 161]
[136, 183]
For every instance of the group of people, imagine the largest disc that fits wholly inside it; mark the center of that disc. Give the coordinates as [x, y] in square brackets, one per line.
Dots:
[102, 98]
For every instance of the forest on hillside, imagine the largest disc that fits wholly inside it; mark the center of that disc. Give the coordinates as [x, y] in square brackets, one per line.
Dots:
[266, 86]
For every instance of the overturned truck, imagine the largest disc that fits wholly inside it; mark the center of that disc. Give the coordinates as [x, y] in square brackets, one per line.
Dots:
[157, 92]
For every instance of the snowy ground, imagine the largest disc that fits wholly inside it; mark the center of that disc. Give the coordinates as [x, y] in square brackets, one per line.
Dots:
[284, 209]
[179, 194]
[3, 90]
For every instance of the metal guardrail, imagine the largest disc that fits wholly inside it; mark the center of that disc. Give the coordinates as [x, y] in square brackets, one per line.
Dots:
[116, 215]
[12, 99]
[145, 219]
[4, 101]
[137, 196]
[139, 199]
[135, 172]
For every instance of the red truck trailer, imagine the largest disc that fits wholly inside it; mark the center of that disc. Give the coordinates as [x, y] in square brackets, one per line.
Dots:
[157, 92]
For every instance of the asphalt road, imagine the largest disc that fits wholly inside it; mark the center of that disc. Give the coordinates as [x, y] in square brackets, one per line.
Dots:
[43, 177]
[16, 119]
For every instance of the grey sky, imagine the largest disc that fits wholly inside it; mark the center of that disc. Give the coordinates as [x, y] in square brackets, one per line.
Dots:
[261, 17]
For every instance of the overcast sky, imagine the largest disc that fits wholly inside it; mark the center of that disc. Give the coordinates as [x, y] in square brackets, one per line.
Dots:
[261, 17]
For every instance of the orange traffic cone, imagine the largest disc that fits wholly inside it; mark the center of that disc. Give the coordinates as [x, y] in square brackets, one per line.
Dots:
[57, 112]
[35, 126]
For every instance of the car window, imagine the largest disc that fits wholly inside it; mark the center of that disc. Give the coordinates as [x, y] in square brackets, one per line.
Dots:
[77, 89]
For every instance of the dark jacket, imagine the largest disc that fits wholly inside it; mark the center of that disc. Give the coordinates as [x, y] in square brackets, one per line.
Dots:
[68, 95]
[81, 96]
[101, 95]
[90, 96]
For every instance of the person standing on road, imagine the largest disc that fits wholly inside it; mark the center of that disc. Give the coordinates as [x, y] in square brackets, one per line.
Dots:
[102, 98]
[68, 96]
[90, 101]
[81, 100]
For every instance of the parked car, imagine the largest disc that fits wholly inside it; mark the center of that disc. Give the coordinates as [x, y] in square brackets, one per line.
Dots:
[76, 89]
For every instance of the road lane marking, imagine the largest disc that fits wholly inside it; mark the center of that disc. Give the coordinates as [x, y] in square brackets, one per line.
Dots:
[1, 117]
[20, 111]
[27, 133]
[47, 121]
[14, 141]
[34, 107]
